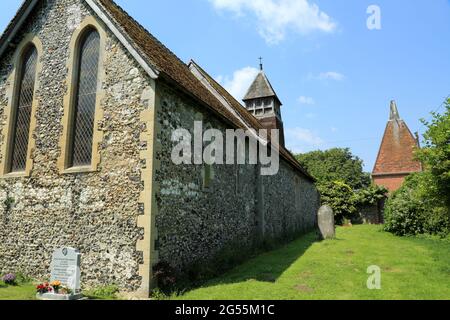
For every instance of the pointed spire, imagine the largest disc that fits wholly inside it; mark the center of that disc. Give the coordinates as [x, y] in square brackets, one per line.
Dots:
[395, 115]
[260, 88]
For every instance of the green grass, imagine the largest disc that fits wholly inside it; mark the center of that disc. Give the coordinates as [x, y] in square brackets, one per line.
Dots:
[19, 292]
[412, 268]
[27, 291]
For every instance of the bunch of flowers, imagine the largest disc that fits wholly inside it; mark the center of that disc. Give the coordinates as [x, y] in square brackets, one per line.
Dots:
[64, 290]
[56, 285]
[9, 279]
[44, 288]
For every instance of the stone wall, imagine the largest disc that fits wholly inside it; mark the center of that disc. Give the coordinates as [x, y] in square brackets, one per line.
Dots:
[194, 224]
[95, 212]
[291, 203]
[373, 214]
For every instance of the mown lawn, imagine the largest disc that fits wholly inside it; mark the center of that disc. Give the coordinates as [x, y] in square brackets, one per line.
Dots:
[20, 292]
[28, 292]
[412, 268]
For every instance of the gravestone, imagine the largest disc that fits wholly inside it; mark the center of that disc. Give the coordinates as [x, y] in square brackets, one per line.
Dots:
[65, 267]
[327, 227]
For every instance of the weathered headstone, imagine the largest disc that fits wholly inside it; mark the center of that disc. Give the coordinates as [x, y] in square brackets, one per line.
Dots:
[65, 267]
[326, 223]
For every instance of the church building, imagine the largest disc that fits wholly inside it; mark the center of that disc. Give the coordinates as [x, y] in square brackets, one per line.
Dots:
[395, 159]
[89, 101]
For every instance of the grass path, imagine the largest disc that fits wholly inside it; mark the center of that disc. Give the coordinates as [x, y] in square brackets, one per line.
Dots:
[412, 268]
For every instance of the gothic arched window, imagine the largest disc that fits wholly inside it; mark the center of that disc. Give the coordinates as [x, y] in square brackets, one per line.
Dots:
[22, 110]
[82, 125]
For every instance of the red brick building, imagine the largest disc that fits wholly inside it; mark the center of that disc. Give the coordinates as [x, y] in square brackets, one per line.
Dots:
[396, 156]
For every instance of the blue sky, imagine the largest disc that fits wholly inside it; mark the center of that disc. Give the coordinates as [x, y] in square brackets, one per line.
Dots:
[334, 75]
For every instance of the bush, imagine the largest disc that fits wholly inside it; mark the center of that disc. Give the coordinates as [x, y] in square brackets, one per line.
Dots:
[370, 196]
[341, 198]
[165, 276]
[412, 210]
[22, 278]
[10, 279]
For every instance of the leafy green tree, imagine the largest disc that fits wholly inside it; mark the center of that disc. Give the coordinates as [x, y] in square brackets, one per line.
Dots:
[371, 195]
[336, 165]
[422, 204]
[435, 154]
[340, 197]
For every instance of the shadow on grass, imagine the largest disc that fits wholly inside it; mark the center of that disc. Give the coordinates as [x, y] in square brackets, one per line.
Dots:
[268, 266]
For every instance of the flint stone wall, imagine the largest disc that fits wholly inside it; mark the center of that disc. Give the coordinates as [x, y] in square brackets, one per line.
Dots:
[195, 224]
[290, 203]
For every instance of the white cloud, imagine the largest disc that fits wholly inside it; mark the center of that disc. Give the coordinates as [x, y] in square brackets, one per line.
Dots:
[240, 82]
[301, 140]
[331, 75]
[275, 18]
[306, 100]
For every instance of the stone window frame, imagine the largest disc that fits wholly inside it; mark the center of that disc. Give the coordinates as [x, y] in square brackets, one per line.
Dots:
[89, 23]
[12, 92]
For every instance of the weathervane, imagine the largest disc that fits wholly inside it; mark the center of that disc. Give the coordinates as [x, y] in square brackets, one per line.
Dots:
[260, 63]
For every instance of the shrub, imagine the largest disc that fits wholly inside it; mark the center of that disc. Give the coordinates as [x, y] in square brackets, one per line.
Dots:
[370, 196]
[412, 210]
[341, 198]
[165, 276]
[22, 278]
[10, 279]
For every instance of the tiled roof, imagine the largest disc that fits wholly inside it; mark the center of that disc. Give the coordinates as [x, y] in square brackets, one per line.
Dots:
[249, 118]
[172, 67]
[396, 153]
[169, 66]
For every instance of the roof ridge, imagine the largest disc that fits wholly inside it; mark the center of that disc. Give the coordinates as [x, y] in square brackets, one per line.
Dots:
[124, 12]
[284, 152]
[242, 108]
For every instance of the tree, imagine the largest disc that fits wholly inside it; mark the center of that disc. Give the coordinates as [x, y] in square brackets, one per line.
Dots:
[371, 196]
[336, 165]
[422, 205]
[435, 154]
[340, 197]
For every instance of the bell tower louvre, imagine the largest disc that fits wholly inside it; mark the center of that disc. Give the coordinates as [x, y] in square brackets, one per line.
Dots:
[262, 101]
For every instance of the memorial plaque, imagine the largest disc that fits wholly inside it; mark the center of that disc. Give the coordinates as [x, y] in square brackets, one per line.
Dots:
[65, 267]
